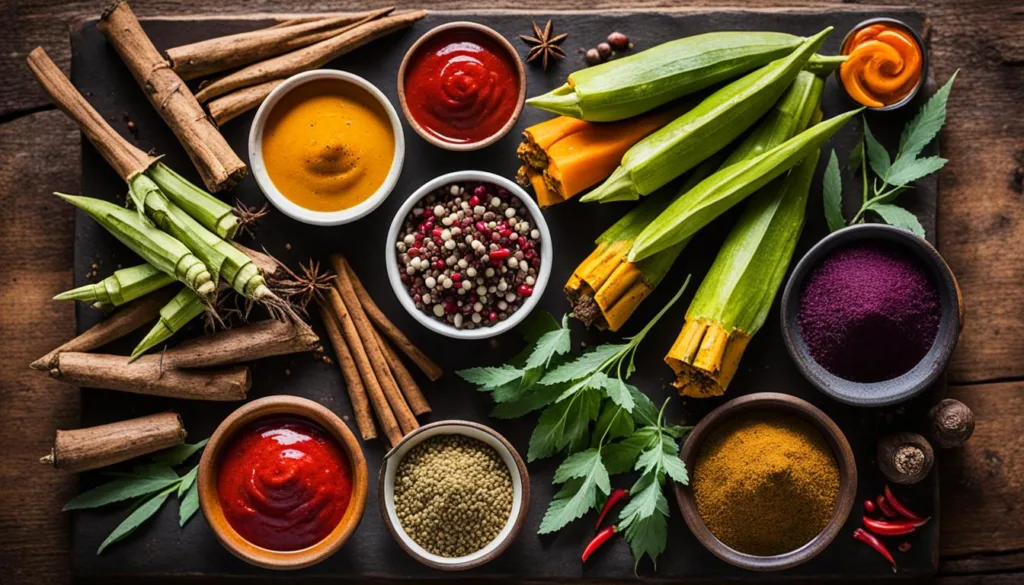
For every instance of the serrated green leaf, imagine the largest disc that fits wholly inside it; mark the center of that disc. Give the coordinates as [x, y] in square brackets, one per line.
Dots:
[576, 499]
[648, 536]
[643, 499]
[179, 454]
[489, 378]
[896, 216]
[583, 366]
[189, 504]
[906, 171]
[187, 480]
[118, 491]
[878, 156]
[549, 345]
[832, 194]
[536, 324]
[613, 423]
[925, 126]
[676, 469]
[645, 412]
[508, 392]
[619, 393]
[621, 457]
[563, 423]
[531, 400]
[144, 512]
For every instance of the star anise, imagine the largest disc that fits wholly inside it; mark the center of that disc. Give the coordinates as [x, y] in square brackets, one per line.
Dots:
[544, 46]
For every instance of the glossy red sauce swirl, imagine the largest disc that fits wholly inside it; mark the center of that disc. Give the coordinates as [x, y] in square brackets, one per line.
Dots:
[284, 483]
[461, 86]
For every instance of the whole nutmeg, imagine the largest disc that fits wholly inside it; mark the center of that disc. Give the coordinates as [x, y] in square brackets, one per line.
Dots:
[604, 50]
[593, 57]
[618, 41]
[952, 423]
[905, 458]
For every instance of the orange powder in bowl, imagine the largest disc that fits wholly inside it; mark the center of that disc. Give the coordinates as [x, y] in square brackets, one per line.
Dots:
[328, 145]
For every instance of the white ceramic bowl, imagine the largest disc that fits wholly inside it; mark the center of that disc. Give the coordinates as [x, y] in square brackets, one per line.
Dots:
[275, 196]
[546, 256]
[520, 493]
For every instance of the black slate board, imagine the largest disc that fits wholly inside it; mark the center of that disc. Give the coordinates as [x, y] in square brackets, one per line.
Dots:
[161, 548]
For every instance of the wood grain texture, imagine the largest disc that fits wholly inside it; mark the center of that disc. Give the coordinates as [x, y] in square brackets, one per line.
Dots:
[980, 233]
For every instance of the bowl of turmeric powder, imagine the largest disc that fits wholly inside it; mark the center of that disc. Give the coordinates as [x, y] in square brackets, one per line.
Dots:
[773, 480]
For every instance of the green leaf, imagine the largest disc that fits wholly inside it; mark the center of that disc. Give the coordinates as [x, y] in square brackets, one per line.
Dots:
[536, 325]
[179, 454]
[644, 410]
[676, 470]
[619, 392]
[189, 504]
[144, 512]
[583, 366]
[577, 498]
[621, 457]
[595, 381]
[187, 480]
[905, 171]
[643, 501]
[648, 536]
[926, 124]
[563, 423]
[832, 194]
[118, 491]
[613, 423]
[896, 216]
[490, 378]
[878, 156]
[531, 400]
[549, 345]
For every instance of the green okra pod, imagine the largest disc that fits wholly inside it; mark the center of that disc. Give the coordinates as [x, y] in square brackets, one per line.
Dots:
[124, 285]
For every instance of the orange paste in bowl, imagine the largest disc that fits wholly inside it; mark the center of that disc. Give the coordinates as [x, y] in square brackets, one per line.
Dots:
[328, 145]
[884, 67]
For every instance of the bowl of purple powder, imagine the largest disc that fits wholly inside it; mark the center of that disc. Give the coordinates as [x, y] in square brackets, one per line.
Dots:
[469, 254]
[871, 315]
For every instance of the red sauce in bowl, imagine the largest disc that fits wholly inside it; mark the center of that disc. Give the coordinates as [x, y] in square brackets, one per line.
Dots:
[461, 86]
[284, 483]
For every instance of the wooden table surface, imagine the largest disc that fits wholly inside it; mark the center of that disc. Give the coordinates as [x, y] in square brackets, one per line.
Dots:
[981, 234]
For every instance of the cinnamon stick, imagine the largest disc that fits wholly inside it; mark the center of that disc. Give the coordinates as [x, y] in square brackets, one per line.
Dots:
[309, 57]
[147, 375]
[384, 325]
[227, 108]
[410, 389]
[127, 159]
[353, 383]
[217, 163]
[103, 445]
[127, 319]
[399, 406]
[228, 52]
[242, 344]
[385, 417]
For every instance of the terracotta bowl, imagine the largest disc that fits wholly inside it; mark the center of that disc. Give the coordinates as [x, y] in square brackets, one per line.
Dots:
[520, 493]
[210, 503]
[931, 366]
[775, 403]
[512, 54]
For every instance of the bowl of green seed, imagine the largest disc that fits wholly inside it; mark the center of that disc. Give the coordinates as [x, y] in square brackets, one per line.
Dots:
[454, 494]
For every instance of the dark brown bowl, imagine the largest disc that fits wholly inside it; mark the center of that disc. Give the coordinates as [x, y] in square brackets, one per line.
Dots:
[770, 402]
[931, 366]
[520, 494]
[210, 502]
[503, 43]
[924, 61]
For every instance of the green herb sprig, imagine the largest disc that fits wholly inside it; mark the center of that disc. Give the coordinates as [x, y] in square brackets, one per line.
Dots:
[892, 176]
[605, 425]
[149, 486]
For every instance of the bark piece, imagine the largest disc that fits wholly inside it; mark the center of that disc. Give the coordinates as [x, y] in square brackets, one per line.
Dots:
[242, 344]
[103, 445]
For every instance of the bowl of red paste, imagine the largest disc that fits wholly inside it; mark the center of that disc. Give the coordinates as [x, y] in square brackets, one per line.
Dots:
[871, 315]
[283, 482]
[462, 86]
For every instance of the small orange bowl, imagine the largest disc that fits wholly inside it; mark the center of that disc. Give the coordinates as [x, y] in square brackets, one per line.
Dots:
[210, 502]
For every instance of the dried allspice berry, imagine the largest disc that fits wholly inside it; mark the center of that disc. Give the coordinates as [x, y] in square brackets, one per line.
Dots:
[453, 495]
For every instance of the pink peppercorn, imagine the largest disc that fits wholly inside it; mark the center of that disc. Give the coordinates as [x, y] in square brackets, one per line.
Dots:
[474, 201]
[525, 290]
[500, 254]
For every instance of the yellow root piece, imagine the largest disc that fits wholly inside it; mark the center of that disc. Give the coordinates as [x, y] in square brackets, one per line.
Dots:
[705, 357]
[605, 289]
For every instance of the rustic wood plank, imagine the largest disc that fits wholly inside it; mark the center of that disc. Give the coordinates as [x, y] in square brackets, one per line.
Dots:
[38, 153]
[982, 483]
[980, 233]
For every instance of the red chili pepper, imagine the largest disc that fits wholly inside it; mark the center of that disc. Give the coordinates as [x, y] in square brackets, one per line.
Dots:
[600, 538]
[869, 506]
[886, 509]
[613, 499]
[899, 507]
[896, 528]
[868, 539]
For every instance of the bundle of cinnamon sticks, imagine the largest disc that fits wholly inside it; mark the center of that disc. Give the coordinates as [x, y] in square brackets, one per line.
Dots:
[378, 382]
[264, 58]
